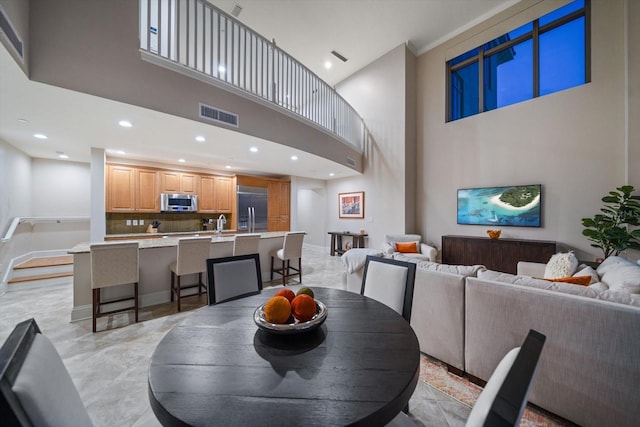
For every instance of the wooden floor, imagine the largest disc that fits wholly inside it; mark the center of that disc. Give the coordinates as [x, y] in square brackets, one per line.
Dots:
[46, 262]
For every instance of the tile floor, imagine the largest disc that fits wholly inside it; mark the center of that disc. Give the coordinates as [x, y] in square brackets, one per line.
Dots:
[109, 367]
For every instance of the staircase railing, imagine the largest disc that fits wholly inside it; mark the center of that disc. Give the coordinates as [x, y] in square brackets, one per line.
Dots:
[204, 39]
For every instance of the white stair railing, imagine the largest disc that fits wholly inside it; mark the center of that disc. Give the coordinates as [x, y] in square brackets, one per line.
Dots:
[204, 39]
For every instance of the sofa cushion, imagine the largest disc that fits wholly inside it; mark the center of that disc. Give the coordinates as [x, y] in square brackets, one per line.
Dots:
[624, 278]
[561, 265]
[612, 262]
[462, 270]
[585, 270]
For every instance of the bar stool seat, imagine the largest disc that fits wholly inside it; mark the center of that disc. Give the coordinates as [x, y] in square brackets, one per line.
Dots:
[192, 256]
[113, 264]
[291, 249]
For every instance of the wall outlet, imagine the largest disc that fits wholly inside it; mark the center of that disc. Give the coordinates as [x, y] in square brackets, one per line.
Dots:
[141, 222]
[129, 222]
[135, 222]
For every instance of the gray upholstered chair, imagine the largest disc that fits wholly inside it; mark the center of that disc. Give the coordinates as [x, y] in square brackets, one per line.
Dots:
[291, 250]
[246, 244]
[390, 282]
[504, 397]
[35, 387]
[191, 258]
[421, 252]
[233, 277]
[113, 264]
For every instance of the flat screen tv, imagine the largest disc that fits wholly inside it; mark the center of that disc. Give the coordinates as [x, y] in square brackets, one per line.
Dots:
[517, 206]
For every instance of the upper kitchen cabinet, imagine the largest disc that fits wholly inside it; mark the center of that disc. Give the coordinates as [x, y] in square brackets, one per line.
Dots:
[217, 194]
[279, 205]
[132, 189]
[179, 182]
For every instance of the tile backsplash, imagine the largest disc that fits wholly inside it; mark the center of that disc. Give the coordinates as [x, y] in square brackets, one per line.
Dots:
[169, 222]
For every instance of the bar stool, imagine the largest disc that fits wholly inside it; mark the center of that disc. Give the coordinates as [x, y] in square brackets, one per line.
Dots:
[193, 253]
[244, 244]
[113, 264]
[291, 249]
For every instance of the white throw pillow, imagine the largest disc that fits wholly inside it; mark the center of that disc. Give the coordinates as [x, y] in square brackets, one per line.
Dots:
[561, 265]
[588, 271]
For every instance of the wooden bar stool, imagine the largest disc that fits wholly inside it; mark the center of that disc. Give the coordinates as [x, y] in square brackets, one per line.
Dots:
[193, 253]
[291, 249]
[113, 264]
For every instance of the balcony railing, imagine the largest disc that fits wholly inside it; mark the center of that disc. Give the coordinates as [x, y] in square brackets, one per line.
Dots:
[197, 35]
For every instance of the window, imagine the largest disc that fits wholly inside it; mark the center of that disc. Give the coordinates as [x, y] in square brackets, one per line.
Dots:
[541, 57]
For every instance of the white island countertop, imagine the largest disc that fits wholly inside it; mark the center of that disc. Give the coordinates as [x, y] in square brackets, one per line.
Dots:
[170, 239]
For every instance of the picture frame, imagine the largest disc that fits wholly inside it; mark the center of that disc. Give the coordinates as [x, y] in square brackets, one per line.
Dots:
[508, 206]
[351, 205]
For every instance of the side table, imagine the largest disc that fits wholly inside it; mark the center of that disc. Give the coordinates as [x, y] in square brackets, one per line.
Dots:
[357, 241]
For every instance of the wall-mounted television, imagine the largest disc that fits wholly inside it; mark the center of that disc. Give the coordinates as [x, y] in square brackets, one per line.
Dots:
[518, 206]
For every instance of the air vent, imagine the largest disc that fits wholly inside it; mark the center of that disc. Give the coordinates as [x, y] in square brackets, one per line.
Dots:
[351, 162]
[339, 56]
[7, 28]
[218, 115]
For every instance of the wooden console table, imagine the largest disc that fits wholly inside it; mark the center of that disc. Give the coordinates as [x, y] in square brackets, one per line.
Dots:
[336, 241]
[495, 254]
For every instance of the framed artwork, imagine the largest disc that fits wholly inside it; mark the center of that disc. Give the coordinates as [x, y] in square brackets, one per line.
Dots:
[351, 205]
[518, 205]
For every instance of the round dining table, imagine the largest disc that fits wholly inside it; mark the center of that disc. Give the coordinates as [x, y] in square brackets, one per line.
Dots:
[218, 368]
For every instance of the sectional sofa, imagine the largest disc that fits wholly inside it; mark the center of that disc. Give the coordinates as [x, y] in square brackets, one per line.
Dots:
[469, 317]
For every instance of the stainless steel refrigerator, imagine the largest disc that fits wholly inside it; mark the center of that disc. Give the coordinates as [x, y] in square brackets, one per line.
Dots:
[252, 209]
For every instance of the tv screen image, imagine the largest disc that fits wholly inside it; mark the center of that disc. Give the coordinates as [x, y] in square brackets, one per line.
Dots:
[517, 206]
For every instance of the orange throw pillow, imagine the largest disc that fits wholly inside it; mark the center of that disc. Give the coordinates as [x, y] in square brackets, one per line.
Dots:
[408, 248]
[574, 280]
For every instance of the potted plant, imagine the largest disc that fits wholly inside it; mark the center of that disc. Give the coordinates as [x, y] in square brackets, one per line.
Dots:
[613, 230]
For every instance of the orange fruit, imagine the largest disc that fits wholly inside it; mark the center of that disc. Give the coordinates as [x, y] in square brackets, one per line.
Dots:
[303, 307]
[287, 293]
[277, 310]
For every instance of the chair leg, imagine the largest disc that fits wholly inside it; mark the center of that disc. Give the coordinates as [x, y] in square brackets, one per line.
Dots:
[285, 272]
[172, 286]
[300, 269]
[95, 306]
[135, 306]
[271, 268]
[199, 284]
[178, 293]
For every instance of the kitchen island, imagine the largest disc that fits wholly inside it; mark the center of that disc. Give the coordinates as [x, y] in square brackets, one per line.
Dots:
[155, 256]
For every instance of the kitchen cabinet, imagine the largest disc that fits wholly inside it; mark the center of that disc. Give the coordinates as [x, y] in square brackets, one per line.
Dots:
[279, 205]
[495, 254]
[217, 194]
[179, 182]
[132, 189]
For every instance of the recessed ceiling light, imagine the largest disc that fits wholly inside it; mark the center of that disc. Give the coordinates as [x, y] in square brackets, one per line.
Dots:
[228, 167]
[181, 160]
[253, 149]
[63, 156]
[125, 123]
[294, 157]
[222, 69]
[200, 138]
[332, 174]
[120, 152]
[40, 136]
[327, 64]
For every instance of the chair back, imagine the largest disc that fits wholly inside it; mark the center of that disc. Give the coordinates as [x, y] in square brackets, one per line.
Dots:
[390, 282]
[246, 244]
[392, 238]
[114, 263]
[233, 277]
[504, 398]
[192, 256]
[35, 387]
[292, 247]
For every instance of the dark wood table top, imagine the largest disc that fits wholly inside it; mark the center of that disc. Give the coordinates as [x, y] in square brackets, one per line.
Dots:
[218, 368]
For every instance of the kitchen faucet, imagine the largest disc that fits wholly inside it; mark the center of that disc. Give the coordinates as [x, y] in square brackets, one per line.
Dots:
[222, 220]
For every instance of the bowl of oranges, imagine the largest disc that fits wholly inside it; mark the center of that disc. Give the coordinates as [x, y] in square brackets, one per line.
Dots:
[289, 312]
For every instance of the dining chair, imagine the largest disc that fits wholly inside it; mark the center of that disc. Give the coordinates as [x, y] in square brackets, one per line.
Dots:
[291, 250]
[113, 264]
[233, 277]
[35, 386]
[246, 244]
[192, 256]
[390, 282]
[504, 398]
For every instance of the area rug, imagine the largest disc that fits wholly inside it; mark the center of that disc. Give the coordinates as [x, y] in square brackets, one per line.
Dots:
[435, 373]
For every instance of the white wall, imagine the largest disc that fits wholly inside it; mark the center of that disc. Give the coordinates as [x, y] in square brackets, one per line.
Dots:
[60, 188]
[572, 142]
[309, 209]
[378, 93]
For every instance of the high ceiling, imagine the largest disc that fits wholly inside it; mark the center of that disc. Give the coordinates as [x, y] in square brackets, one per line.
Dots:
[360, 30]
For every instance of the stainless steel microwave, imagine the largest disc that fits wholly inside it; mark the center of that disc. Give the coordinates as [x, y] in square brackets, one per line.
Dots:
[178, 202]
